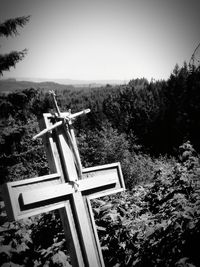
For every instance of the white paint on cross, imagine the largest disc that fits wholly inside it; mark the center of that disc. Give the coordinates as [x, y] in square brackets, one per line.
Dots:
[67, 191]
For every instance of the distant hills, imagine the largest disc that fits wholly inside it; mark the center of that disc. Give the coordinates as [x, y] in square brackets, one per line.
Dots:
[10, 85]
[76, 83]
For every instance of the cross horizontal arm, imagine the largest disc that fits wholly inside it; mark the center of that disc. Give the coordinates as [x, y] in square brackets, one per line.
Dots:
[12, 191]
[73, 116]
[25, 197]
[47, 130]
[64, 115]
[61, 190]
[47, 193]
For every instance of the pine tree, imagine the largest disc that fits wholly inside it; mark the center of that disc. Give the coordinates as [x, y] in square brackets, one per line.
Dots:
[10, 28]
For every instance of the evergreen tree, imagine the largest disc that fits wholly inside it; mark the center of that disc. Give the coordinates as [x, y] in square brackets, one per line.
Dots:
[10, 28]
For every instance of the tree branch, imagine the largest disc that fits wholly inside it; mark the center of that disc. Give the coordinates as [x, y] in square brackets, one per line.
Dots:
[9, 27]
[9, 60]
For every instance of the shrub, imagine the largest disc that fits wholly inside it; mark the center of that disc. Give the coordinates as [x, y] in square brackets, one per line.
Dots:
[37, 241]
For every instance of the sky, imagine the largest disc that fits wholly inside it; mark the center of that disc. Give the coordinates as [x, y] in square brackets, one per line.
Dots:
[102, 39]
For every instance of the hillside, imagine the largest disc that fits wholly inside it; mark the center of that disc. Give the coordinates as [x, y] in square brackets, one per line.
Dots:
[10, 85]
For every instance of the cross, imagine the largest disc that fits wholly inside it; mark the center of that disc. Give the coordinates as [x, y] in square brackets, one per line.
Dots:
[68, 188]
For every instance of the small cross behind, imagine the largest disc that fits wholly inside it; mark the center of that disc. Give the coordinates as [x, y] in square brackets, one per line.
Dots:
[68, 188]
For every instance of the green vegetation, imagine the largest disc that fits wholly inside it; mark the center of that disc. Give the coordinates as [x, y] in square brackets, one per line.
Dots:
[153, 129]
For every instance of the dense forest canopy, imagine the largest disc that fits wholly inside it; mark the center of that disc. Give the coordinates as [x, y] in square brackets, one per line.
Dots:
[157, 116]
[152, 118]
[153, 129]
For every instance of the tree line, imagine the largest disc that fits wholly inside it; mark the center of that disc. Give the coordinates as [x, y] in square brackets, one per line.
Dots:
[141, 117]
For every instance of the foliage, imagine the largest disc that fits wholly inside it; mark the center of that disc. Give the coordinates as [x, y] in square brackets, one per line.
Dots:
[37, 241]
[21, 156]
[10, 60]
[108, 145]
[155, 224]
[160, 114]
[10, 28]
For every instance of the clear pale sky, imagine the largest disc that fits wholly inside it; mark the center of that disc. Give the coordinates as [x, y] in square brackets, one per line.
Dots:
[102, 39]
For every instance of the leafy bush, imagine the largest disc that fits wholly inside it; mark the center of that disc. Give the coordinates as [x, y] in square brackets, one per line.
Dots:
[37, 241]
[157, 224]
[108, 146]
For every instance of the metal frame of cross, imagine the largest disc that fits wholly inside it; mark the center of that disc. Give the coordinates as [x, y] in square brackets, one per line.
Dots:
[69, 188]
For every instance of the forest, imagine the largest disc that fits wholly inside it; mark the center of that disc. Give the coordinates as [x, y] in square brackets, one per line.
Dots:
[152, 129]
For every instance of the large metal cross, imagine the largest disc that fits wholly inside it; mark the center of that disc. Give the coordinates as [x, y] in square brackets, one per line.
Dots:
[68, 188]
